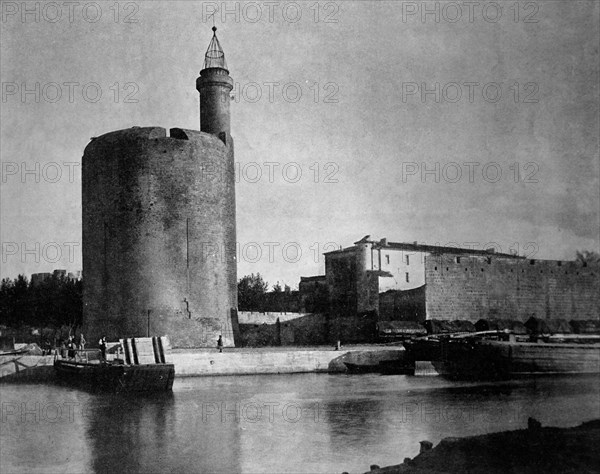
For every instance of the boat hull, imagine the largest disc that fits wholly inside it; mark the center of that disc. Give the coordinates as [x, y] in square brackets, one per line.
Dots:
[423, 349]
[501, 360]
[386, 367]
[361, 368]
[117, 377]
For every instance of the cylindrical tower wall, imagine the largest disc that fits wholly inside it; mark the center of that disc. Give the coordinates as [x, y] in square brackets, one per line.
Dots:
[214, 86]
[159, 236]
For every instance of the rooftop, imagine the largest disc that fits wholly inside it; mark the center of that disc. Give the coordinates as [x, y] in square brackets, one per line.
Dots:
[416, 247]
[313, 278]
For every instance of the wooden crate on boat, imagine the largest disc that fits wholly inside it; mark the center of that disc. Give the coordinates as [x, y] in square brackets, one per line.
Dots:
[145, 350]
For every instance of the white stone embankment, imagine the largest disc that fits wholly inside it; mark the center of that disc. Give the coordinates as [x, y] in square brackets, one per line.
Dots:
[190, 363]
[210, 362]
[236, 363]
[266, 361]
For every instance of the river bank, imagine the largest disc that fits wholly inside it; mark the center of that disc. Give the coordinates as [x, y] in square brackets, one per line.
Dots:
[232, 361]
[532, 450]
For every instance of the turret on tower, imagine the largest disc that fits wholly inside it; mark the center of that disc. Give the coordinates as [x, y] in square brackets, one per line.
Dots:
[214, 86]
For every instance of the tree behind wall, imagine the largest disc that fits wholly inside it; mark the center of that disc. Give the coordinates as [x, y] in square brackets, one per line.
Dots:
[587, 256]
[251, 293]
[54, 302]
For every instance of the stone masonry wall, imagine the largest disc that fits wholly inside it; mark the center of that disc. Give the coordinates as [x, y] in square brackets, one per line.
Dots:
[268, 317]
[282, 329]
[159, 236]
[475, 287]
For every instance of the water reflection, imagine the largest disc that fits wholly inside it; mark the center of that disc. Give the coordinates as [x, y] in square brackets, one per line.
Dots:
[386, 417]
[126, 435]
[157, 434]
[288, 423]
[41, 430]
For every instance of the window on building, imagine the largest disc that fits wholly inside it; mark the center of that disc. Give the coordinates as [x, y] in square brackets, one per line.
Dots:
[387, 259]
[457, 259]
[407, 278]
[407, 260]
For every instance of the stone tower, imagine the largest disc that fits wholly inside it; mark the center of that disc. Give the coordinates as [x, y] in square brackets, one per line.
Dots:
[159, 234]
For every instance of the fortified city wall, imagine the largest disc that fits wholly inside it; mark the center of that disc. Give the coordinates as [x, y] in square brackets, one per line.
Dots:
[474, 287]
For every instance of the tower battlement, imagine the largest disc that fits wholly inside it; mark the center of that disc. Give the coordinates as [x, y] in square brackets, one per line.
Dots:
[154, 133]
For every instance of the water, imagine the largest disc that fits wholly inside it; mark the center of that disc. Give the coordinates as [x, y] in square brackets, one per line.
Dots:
[274, 423]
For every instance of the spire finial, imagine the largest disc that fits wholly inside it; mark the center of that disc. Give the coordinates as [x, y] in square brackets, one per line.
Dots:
[214, 57]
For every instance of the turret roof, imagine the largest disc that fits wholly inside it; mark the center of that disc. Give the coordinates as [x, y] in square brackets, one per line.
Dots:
[214, 57]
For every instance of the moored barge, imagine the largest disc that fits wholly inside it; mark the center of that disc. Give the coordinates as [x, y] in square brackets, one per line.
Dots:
[143, 368]
[489, 359]
[115, 376]
[507, 349]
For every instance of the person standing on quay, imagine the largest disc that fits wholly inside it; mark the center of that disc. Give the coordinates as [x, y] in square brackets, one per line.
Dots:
[71, 348]
[81, 346]
[102, 344]
[220, 343]
[82, 341]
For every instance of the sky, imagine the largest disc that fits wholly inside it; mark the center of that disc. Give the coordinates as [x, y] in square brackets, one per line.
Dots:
[435, 122]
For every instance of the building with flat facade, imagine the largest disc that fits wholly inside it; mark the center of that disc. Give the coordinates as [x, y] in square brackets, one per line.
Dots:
[375, 281]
